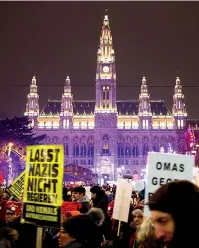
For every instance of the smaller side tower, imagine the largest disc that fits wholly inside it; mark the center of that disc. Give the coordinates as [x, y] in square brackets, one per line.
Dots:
[144, 111]
[32, 105]
[179, 108]
[66, 106]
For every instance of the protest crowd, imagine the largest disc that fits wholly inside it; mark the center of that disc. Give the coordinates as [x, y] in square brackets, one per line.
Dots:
[87, 221]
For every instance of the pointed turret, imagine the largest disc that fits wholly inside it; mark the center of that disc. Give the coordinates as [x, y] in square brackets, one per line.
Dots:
[32, 106]
[66, 105]
[179, 108]
[106, 72]
[144, 106]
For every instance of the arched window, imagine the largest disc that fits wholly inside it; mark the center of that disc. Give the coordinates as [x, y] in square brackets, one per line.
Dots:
[66, 149]
[90, 150]
[155, 148]
[83, 150]
[128, 172]
[120, 151]
[105, 147]
[145, 149]
[135, 151]
[76, 150]
[127, 151]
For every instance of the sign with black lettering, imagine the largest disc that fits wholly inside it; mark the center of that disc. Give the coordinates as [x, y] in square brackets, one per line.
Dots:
[163, 168]
[16, 186]
[43, 185]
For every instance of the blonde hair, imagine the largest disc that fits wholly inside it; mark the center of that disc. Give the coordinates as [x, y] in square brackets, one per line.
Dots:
[146, 234]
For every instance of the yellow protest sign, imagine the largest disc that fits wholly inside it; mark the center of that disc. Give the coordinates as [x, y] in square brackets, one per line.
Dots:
[43, 185]
[16, 186]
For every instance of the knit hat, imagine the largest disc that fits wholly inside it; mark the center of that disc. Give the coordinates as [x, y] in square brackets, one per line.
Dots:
[179, 199]
[175, 197]
[82, 227]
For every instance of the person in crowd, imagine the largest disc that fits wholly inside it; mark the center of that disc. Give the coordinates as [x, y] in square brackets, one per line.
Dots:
[137, 215]
[8, 237]
[146, 235]
[174, 209]
[82, 231]
[79, 195]
[99, 198]
[66, 196]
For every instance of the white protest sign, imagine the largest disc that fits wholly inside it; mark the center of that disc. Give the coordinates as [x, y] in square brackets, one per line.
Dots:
[164, 168]
[88, 193]
[122, 200]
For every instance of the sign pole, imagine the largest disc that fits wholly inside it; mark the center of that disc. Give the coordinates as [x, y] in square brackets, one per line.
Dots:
[118, 229]
[39, 237]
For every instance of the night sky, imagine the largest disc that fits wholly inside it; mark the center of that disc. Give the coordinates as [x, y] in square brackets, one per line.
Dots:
[54, 39]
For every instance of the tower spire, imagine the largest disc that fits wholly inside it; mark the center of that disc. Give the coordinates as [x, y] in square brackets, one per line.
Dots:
[66, 106]
[179, 108]
[106, 72]
[106, 52]
[32, 106]
[144, 106]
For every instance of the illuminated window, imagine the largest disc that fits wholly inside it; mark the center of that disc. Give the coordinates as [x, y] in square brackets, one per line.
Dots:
[67, 123]
[105, 148]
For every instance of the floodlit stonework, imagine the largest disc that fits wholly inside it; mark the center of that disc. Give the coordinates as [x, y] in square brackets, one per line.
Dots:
[107, 135]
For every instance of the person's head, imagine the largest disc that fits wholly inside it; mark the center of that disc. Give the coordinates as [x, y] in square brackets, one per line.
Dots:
[137, 217]
[8, 236]
[78, 192]
[170, 207]
[146, 234]
[80, 228]
[95, 191]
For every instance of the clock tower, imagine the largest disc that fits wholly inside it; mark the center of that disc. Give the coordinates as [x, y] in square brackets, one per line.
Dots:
[106, 73]
[105, 107]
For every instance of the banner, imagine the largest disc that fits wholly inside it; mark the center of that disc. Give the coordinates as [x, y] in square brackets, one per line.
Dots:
[43, 185]
[16, 186]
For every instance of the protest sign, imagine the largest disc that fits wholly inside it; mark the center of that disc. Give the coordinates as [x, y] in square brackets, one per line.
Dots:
[16, 186]
[164, 168]
[122, 200]
[43, 185]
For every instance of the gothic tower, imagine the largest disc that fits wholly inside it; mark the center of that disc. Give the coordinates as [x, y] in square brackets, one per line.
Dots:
[105, 107]
[66, 106]
[179, 108]
[144, 111]
[32, 105]
[106, 73]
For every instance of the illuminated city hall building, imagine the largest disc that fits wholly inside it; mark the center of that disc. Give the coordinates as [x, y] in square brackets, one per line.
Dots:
[107, 135]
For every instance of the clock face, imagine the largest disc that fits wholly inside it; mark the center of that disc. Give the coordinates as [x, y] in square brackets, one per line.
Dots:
[105, 69]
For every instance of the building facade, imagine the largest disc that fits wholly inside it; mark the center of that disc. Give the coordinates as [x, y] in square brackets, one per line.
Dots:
[107, 135]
